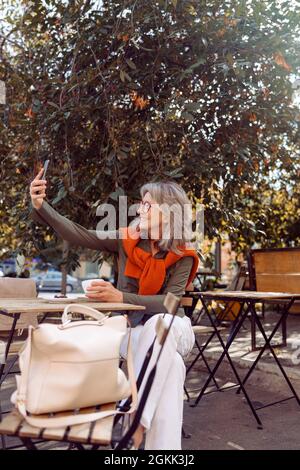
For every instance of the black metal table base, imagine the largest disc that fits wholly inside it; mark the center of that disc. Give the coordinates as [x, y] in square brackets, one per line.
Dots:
[3, 372]
[268, 345]
[247, 307]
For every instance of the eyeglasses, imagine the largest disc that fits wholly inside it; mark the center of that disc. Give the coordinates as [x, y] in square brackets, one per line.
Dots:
[145, 206]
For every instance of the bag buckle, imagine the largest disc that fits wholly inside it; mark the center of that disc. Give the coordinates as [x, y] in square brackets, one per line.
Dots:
[101, 322]
[61, 327]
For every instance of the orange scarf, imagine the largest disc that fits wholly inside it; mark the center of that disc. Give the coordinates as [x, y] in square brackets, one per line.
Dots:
[151, 271]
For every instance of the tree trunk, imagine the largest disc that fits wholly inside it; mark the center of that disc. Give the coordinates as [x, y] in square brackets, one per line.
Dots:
[64, 270]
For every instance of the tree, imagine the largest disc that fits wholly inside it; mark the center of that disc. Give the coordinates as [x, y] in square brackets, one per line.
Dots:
[118, 93]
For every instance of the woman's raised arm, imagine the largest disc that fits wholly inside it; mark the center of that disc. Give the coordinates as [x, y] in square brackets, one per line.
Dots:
[65, 228]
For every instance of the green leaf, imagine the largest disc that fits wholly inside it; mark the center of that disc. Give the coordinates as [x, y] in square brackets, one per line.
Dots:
[122, 155]
[187, 116]
[122, 75]
[194, 66]
[131, 64]
[116, 194]
[127, 77]
[192, 106]
[53, 104]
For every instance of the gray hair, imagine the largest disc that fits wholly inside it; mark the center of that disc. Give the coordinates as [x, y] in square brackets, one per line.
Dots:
[174, 202]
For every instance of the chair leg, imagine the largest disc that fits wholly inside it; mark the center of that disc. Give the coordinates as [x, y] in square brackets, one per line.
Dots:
[3, 443]
[8, 369]
[209, 369]
[28, 443]
[253, 332]
[3, 366]
[201, 355]
[284, 333]
[186, 393]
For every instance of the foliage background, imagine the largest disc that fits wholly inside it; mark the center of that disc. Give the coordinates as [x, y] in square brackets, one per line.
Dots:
[117, 93]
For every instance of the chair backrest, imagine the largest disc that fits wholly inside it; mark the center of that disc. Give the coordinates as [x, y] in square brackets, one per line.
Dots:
[275, 270]
[230, 311]
[17, 288]
[239, 280]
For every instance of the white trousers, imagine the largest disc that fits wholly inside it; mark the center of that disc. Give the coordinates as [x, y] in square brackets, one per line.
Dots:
[163, 412]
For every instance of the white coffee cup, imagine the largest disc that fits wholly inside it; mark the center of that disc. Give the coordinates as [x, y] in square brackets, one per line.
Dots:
[87, 283]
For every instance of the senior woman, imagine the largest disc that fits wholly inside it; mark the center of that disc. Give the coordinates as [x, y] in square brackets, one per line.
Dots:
[153, 260]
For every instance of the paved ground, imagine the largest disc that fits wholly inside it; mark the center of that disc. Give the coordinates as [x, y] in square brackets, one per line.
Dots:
[223, 420]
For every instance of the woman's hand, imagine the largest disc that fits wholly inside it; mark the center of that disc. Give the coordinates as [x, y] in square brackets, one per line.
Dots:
[104, 291]
[38, 190]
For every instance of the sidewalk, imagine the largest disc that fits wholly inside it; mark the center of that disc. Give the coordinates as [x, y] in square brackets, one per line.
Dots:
[223, 421]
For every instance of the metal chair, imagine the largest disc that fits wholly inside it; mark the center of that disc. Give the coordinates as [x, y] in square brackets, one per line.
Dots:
[13, 288]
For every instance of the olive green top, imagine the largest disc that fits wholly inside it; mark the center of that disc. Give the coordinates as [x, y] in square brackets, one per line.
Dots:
[176, 275]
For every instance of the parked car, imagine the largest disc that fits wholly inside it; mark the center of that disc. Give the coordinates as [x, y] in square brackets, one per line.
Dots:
[51, 281]
[90, 276]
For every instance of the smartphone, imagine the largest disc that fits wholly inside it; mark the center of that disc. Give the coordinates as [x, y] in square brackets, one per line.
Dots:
[46, 164]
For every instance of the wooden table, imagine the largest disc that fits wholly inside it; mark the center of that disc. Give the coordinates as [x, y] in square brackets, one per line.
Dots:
[250, 295]
[248, 301]
[40, 305]
[14, 424]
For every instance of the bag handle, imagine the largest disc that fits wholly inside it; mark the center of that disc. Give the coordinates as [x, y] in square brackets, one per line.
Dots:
[84, 309]
[76, 419]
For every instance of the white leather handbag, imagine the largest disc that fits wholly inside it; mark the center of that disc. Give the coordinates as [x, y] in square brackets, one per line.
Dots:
[73, 365]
